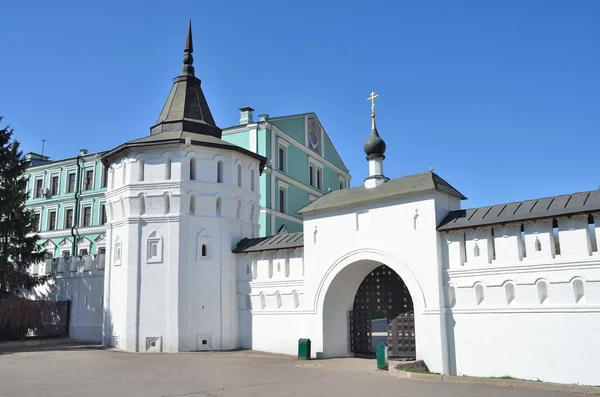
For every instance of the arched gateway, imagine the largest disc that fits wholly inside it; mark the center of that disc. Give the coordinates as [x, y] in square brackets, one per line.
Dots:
[382, 312]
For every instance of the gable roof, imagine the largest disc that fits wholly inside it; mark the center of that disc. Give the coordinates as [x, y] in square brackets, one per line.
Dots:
[417, 183]
[344, 167]
[277, 242]
[547, 207]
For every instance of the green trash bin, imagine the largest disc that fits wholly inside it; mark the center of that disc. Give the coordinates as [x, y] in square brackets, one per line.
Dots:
[304, 349]
[382, 356]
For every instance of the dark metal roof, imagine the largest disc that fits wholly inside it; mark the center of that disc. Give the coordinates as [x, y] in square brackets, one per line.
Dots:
[548, 207]
[178, 137]
[417, 183]
[185, 115]
[186, 108]
[277, 242]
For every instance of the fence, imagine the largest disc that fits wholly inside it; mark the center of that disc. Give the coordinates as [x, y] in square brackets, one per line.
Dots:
[22, 318]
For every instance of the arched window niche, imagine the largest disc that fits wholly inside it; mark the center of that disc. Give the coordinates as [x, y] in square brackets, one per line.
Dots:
[220, 171]
[204, 246]
[154, 248]
[193, 169]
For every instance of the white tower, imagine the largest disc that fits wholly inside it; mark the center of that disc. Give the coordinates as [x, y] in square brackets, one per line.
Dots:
[178, 201]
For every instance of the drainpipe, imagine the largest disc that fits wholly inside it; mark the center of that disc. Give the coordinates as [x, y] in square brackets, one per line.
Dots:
[77, 199]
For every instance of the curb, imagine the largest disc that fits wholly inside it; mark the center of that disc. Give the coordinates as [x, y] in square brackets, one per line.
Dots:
[523, 384]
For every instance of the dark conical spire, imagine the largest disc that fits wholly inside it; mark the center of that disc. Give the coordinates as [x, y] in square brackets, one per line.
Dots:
[186, 108]
[187, 69]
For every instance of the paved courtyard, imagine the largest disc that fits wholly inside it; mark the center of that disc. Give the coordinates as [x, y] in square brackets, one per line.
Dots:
[89, 371]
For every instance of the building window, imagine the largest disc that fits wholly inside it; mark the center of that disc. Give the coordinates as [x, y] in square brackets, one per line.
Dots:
[71, 182]
[315, 174]
[89, 179]
[55, 185]
[203, 245]
[342, 182]
[281, 162]
[36, 221]
[103, 213]
[104, 176]
[68, 218]
[87, 216]
[219, 172]
[39, 185]
[239, 175]
[252, 181]
[66, 254]
[319, 178]
[52, 220]
[83, 252]
[282, 199]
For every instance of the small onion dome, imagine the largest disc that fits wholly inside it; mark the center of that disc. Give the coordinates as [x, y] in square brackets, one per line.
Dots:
[374, 146]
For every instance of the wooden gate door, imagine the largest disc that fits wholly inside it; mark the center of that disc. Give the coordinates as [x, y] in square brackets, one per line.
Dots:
[382, 294]
[401, 336]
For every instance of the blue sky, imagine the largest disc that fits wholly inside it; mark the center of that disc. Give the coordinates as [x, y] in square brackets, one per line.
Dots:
[501, 97]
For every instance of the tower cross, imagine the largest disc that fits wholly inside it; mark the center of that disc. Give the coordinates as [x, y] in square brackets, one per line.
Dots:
[372, 99]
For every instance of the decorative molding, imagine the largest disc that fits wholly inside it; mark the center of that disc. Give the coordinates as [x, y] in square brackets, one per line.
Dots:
[523, 267]
[542, 309]
[281, 215]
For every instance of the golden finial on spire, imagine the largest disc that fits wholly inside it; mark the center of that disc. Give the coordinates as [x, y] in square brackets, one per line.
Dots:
[372, 99]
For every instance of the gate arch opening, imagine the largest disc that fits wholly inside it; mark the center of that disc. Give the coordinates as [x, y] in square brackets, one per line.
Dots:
[382, 312]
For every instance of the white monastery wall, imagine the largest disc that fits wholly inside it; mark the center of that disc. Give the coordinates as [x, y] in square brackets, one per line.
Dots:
[526, 306]
[173, 218]
[80, 280]
[271, 300]
[344, 246]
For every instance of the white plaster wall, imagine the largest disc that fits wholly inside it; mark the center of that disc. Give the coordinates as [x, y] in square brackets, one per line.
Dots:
[400, 234]
[85, 290]
[178, 295]
[531, 336]
[278, 325]
[552, 347]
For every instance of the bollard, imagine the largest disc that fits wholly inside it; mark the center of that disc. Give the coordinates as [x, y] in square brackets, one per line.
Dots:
[382, 356]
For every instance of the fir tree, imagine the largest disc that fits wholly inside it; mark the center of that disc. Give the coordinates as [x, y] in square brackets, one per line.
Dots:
[18, 247]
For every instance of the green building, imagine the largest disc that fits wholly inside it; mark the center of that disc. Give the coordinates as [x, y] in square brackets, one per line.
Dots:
[303, 165]
[67, 195]
[67, 198]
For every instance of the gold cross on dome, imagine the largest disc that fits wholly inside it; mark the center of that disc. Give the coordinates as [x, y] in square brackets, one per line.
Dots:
[372, 99]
